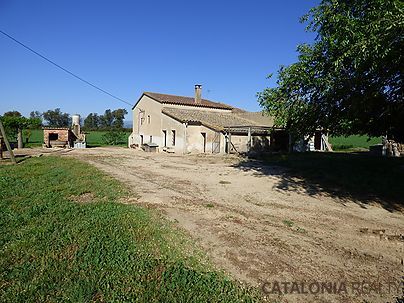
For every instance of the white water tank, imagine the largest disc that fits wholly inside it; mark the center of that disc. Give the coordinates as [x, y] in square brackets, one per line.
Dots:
[75, 120]
[76, 124]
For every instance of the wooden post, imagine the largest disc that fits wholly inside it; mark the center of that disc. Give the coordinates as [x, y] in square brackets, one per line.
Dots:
[7, 143]
[229, 149]
[19, 139]
[249, 143]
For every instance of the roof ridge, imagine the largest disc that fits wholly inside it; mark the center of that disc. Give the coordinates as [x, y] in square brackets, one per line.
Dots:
[185, 100]
[171, 95]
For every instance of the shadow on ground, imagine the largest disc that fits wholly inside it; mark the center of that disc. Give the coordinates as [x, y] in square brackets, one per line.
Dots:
[358, 177]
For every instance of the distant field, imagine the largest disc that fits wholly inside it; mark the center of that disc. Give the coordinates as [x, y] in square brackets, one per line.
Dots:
[94, 138]
[353, 142]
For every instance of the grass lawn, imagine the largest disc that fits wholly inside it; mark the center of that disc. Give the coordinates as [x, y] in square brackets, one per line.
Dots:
[358, 176]
[94, 138]
[64, 237]
[353, 142]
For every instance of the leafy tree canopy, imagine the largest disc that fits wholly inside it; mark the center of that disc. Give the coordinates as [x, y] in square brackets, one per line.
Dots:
[92, 121]
[119, 115]
[110, 119]
[56, 118]
[350, 80]
[107, 119]
[15, 123]
[35, 114]
[12, 113]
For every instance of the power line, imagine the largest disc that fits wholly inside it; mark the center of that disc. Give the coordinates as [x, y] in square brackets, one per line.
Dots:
[64, 69]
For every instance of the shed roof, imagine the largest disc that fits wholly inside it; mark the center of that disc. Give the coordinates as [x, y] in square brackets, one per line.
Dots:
[55, 128]
[216, 120]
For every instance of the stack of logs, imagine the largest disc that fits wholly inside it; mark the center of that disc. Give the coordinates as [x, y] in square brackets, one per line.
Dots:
[392, 148]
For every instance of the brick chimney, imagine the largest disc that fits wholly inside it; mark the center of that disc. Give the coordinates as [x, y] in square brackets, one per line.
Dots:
[198, 93]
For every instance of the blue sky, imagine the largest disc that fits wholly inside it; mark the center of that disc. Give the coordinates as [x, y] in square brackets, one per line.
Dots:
[127, 47]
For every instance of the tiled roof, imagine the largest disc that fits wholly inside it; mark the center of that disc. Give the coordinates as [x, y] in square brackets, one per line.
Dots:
[259, 118]
[56, 128]
[172, 99]
[216, 120]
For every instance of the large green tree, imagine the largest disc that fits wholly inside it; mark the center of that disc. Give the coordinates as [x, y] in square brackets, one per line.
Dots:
[14, 123]
[92, 121]
[56, 118]
[106, 119]
[113, 119]
[350, 80]
[119, 116]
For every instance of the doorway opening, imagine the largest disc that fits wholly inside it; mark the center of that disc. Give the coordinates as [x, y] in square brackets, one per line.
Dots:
[204, 141]
[165, 138]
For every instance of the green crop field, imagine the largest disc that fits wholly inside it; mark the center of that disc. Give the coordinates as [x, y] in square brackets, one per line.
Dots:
[65, 237]
[94, 138]
[353, 142]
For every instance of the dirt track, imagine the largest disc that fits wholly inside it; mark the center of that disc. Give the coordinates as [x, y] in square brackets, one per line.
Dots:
[259, 233]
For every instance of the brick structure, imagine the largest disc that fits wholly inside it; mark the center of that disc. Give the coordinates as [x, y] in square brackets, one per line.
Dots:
[58, 137]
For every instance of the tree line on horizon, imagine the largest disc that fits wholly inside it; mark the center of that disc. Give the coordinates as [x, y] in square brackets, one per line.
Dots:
[112, 121]
[93, 121]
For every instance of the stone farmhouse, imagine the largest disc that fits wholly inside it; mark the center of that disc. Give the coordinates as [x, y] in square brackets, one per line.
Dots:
[182, 125]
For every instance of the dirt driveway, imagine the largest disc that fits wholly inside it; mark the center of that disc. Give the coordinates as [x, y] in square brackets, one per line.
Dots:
[259, 233]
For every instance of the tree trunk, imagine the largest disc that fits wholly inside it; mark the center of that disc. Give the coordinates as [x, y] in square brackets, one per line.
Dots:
[19, 139]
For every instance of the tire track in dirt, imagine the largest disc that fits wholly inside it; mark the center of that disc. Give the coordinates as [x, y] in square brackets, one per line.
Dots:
[257, 233]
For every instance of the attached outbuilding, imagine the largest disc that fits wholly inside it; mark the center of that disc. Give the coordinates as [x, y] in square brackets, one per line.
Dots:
[183, 125]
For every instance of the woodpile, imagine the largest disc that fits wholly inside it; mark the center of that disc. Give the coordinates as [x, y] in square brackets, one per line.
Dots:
[392, 148]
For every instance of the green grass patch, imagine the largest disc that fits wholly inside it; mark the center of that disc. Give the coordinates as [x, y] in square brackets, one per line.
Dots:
[64, 237]
[94, 138]
[353, 142]
[359, 176]
[288, 223]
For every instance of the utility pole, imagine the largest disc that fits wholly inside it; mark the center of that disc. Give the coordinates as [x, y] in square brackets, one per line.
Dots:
[3, 133]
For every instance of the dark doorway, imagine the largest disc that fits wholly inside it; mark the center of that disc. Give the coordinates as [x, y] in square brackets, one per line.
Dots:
[165, 138]
[53, 137]
[317, 140]
[141, 140]
[279, 141]
[204, 141]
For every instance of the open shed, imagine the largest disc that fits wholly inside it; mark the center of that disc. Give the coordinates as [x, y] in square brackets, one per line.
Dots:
[58, 137]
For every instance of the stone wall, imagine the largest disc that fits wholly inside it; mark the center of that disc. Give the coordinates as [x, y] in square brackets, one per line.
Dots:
[57, 137]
